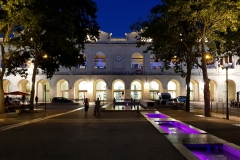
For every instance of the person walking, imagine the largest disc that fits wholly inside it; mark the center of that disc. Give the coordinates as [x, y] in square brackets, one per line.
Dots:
[36, 100]
[97, 106]
[86, 106]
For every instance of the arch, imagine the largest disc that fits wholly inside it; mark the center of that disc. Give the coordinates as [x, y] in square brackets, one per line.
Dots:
[194, 90]
[100, 87]
[174, 88]
[80, 90]
[155, 63]
[231, 90]
[84, 56]
[137, 61]
[100, 60]
[24, 86]
[118, 89]
[155, 87]
[40, 92]
[7, 86]
[136, 89]
[62, 88]
[213, 90]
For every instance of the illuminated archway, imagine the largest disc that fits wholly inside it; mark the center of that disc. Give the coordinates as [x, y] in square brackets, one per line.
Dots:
[81, 90]
[136, 89]
[174, 88]
[194, 90]
[62, 88]
[100, 89]
[213, 90]
[24, 86]
[155, 87]
[118, 89]
[7, 86]
[40, 92]
[231, 91]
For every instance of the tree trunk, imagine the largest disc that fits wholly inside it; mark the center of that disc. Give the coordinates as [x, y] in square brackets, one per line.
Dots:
[32, 95]
[188, 78]
[2, 105]
[206, 80]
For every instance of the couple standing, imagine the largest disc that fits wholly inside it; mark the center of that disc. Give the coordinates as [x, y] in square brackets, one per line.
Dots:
[96, 109]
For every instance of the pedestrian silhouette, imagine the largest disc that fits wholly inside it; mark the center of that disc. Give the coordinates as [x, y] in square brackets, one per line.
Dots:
[36, 100]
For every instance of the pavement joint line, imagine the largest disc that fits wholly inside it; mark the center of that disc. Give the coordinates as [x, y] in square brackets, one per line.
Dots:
[37, 120]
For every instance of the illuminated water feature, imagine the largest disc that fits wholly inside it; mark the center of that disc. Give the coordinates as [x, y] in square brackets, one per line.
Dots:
[212, 152]
[156, 115]
[124, 107]
[173, 127]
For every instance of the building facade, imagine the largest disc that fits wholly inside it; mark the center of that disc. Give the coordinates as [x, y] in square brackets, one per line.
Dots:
[115, 67]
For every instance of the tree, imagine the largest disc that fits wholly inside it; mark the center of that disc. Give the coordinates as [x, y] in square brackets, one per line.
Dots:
[203, 19]
[176, 46]
[56, 29]
[9, 17]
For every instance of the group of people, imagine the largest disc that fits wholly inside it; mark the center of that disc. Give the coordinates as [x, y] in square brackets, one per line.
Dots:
[96, 108]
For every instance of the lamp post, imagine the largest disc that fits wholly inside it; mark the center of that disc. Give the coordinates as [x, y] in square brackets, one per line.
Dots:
[226, 65]
[45, 89]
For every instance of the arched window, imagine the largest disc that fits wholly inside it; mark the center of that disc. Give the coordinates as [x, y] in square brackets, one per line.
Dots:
[155, 63]
[136, 90]
[172, 88]
[101, 90]
[153, 90]
[84, 57]
[63, 89]
[118, 90]
[137, 61]
[82, 90]
[100, 61]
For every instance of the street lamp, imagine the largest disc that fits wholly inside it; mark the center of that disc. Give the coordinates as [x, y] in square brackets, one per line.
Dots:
[226, 65]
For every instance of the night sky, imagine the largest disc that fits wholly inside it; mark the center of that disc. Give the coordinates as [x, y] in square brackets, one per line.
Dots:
[115, 16]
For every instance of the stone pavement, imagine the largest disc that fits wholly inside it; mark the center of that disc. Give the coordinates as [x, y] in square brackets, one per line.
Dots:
[111, 136]
[126, 135]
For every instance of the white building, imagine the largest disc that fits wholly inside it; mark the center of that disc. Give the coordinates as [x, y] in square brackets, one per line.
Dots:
[116, 68]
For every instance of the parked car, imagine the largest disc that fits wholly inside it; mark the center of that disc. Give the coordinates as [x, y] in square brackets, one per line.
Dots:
[164, 97]
[182, 98]
[61, 100]
[172, 101]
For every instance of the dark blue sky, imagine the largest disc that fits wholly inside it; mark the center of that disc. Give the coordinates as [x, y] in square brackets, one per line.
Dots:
[115, 16]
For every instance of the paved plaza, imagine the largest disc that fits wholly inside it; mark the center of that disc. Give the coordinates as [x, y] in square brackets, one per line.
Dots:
[63, 132]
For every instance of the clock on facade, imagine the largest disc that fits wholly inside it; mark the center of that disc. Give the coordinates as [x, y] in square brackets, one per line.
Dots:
[118, 58]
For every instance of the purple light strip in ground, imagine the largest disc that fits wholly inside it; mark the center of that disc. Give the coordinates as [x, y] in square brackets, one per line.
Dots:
[213, 154]
[154, 115]
[186, 127]
[172, 127]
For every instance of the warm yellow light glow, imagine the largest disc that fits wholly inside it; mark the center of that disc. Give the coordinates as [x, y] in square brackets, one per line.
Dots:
[45, 56]
[207, 56]
[146, 84]
[89, 84]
